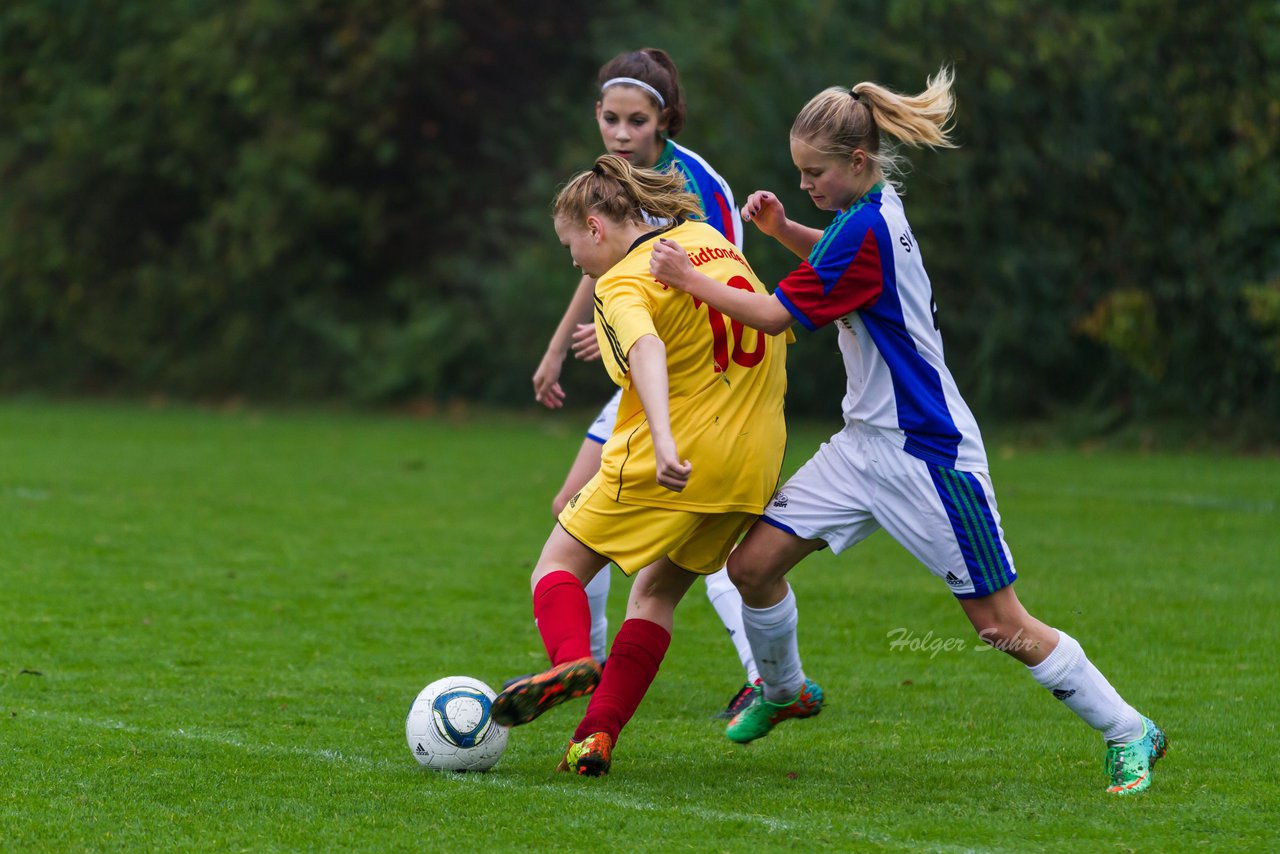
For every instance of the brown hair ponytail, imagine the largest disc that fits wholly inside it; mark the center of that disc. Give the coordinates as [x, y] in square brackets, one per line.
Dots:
[616, 189]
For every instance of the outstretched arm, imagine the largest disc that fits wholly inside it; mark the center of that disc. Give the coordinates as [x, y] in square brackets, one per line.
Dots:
[648, 363]
[670, 265]
[546, 379]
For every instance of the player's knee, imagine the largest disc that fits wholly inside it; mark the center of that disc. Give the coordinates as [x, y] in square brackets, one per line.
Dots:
[744, 574]
[651, 601]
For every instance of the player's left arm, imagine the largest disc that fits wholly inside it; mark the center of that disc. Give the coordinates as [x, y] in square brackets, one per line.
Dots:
[647, 359]
[670, 265]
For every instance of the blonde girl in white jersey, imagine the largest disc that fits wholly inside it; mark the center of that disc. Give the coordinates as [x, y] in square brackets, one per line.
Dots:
[910, 458]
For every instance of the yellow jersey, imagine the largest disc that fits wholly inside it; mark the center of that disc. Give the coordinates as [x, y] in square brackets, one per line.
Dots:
[726, 382]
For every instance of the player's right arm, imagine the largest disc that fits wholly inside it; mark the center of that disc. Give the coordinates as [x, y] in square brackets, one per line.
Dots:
[647, 359]
[546, 379]
[764, 209]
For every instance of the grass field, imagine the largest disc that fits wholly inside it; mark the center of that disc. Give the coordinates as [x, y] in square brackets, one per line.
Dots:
[212, 625]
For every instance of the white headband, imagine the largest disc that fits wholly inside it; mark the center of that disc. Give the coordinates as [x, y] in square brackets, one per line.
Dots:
[631, 81]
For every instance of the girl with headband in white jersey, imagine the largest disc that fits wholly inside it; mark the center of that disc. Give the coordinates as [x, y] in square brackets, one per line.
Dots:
[641, 109]
[910, 458]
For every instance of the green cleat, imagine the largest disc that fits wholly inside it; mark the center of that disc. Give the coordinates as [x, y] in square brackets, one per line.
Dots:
[1129, 765]
[760, 716]
[591, 757]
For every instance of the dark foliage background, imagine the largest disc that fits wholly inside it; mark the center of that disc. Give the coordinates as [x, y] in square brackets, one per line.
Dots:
[324, 200]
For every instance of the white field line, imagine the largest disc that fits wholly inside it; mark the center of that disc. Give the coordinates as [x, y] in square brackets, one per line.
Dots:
[641, 805]
[323, 755]
[590, 793]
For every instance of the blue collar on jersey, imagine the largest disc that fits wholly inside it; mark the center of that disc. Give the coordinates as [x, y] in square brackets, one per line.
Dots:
[863, 199]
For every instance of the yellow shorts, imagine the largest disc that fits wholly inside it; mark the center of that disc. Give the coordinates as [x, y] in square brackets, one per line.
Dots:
[634, 536]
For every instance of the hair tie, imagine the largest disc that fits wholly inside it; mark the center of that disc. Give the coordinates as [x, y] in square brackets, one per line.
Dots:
[631, 81]
[855, 95]
[597, 169]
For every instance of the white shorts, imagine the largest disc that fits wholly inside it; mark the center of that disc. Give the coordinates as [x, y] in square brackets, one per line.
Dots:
[861, 481]
[602, 428]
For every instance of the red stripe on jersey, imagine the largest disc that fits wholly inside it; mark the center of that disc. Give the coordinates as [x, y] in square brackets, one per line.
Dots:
[727, 215]
[859, 286]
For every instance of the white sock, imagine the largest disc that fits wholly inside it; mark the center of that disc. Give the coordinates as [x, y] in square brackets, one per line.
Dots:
[772, 633]
[728, 604]
[597, 599]
[1073, 679]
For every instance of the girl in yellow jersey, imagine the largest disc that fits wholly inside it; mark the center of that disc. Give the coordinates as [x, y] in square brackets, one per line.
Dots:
[693, 457]
[640, 111]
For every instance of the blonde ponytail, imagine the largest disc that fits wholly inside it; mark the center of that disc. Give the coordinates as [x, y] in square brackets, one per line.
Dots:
[875, 119]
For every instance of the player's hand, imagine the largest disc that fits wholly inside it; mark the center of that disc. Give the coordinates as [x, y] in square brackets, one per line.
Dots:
[764, 209]
[585, 346]
[673, 473]
[670, 264]
[546, 382]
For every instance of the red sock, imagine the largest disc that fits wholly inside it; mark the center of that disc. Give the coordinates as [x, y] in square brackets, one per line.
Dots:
[634, 658]
[563, 616]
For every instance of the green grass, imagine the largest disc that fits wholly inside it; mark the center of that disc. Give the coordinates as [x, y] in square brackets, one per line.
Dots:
[212, 625]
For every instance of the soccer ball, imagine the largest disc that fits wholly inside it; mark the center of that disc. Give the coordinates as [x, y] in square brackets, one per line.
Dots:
[450, 728]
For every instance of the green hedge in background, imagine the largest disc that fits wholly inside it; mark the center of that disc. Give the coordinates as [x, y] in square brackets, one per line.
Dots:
[302, 200]
[293, 199]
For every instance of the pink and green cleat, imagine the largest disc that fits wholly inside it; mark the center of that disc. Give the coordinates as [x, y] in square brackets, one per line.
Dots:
[760, 716]
[1129, 765]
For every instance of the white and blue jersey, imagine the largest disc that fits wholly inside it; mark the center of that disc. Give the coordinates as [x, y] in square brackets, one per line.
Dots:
[865, 274]
[704, 182]
[910, 458]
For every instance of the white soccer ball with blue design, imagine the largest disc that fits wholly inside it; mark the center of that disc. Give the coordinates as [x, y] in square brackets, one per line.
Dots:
[450, 726]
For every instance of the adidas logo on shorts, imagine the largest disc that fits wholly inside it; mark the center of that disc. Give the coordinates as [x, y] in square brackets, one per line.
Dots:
[953, 579]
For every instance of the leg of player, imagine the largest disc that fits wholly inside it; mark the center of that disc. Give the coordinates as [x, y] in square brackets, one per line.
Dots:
[584, 467]
[564, 622]
[637, 653]
[727, 601]
[597, 604]
[1057, 661]
[758, 568]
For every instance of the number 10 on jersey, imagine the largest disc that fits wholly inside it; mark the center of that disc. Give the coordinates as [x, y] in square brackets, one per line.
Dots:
[720, 336]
